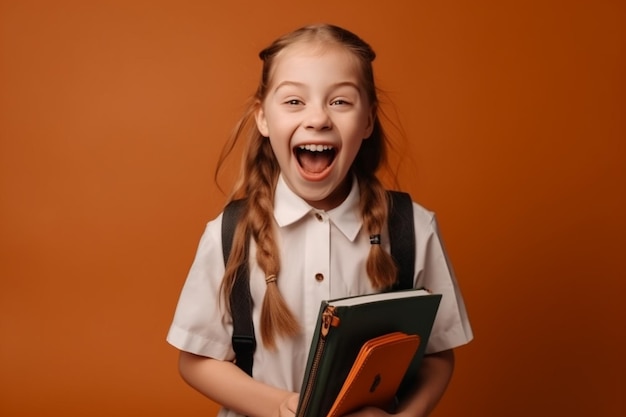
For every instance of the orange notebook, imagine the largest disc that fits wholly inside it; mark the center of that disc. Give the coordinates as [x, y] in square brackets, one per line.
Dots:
[376, 373]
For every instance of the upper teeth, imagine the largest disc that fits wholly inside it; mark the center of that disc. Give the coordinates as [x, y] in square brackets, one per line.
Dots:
[315, 148]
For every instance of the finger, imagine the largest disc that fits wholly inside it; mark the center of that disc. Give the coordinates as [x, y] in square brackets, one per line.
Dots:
[292, 403]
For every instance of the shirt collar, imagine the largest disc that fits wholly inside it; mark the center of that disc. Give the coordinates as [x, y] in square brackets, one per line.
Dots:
[289, 208]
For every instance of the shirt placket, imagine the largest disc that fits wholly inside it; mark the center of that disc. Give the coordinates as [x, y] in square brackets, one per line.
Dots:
[317, 266]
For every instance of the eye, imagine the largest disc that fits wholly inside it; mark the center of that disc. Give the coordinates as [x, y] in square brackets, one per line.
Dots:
[294, 102]
[339, 102]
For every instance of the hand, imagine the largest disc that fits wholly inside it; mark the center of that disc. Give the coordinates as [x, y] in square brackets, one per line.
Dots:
[368, 412]
[289, 406]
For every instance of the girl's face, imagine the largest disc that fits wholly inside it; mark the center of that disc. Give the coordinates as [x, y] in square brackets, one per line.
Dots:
[316, 115]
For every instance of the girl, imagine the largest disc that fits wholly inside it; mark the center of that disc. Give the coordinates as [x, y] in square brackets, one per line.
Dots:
[314, 144]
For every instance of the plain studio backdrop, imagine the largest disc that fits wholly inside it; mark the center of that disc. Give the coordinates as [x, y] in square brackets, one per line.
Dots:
[113, 113]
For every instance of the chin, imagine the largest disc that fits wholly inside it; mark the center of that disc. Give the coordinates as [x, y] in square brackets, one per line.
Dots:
[314, 197]
[313, 193]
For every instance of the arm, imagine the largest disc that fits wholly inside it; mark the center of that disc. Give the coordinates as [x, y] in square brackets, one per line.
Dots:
[226, 384]
[435, 373]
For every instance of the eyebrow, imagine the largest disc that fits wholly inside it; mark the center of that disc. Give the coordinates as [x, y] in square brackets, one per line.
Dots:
[298, 84]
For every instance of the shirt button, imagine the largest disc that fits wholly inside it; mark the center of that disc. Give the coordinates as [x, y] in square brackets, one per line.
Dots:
[319, 217]
[319, 277]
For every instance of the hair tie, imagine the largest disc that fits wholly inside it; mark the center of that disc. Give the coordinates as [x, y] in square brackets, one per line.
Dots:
[269, 279]
[375, 239]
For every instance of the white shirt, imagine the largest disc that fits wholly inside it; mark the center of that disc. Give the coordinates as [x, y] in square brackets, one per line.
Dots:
[331, 243]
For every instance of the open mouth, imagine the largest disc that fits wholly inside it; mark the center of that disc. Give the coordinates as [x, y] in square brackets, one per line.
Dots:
[314, 159]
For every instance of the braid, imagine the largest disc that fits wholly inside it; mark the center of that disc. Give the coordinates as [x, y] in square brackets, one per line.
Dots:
[381, 268]
[276, 318]
[260, 171]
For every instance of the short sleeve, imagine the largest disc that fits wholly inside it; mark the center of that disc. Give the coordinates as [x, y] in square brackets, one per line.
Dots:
[201, 324]
[435, 273]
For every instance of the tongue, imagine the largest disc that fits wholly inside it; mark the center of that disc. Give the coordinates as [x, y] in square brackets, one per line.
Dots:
[314, 162]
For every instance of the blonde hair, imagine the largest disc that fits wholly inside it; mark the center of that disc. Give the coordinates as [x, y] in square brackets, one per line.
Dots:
[259, 174]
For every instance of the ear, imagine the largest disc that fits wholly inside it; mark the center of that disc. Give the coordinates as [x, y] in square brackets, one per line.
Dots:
[261, 121]
[371, 118]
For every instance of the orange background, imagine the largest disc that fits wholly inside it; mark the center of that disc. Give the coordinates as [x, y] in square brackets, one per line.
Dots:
[111, 118]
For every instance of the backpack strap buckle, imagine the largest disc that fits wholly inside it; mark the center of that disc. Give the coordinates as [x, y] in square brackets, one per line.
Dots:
[244, 347]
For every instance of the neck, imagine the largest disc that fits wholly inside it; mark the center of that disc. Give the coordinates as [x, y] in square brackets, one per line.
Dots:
[335, 198]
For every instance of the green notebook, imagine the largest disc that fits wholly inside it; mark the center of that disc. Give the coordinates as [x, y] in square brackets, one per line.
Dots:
[345, 324]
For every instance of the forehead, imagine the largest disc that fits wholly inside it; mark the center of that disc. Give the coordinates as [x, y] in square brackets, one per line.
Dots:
[323, 61]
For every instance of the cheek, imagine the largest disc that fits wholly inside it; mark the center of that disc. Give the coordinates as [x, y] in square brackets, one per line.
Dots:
[360, 131]
[368, 125]
[359, 127]
[280, 147]
[282, 131]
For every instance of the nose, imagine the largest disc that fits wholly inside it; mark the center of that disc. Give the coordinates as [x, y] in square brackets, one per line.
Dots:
[317, 117]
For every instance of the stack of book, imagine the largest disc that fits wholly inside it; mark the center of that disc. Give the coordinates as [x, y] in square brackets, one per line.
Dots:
[365, 351]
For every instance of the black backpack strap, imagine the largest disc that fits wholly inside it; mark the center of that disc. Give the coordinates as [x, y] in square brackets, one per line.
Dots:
[402, 237]
[244, 343]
